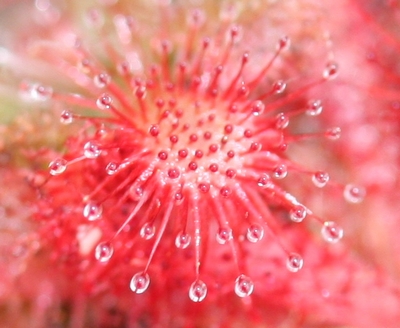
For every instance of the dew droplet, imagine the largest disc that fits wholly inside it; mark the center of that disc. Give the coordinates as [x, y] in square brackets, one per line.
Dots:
[280, 171]
[182, 240]
[294, 262]
[140, 282]
[104, 101]
[314, 108]
[255, 233]
[257, 108]
[353, 194]
[281, 121]
[298, 213]
[91, 150]
[225, 191]
[58, 166]
[204, 187]
[331, 71]
[278, 87]
[103, 252]
[66, 117]
[244, 286]
[331, 232]
[112, 168]
[92, 211]
[320, 179]
[147, 231]
[101, 80]
[198, 291]
[224, 235]
[265, 181]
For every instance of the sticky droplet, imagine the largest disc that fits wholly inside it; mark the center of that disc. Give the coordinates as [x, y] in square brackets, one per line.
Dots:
[92, 211]
[147, 231]
[353, 194]
[332, 232]
[91, 150]
[224, 235]
[255, 233]
[294, 262]
[66, 117]
[104, 102]
[112, 168]
[244, 286]
[103, 252]
[58, 166]
[198, 291]
[140, 282]
[101, 80]
[280, 171]
[298, 213]
[314, 108]
[182, 240]
[320, 179]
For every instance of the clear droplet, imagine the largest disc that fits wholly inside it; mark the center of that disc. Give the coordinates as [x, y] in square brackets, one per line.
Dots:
[112, 168]
[257, 108]
[331, 71]
[92, 211]
[294, 262]
[140, 282]
[298, 213]
[320, 179]
[104, 101]
[331, 232]
[40, 92]
[255, 233]
[198, 291]
[147, 231]
[224, 235]
[280, 171]
[66, 117]
[333, 133]
[91, 150]
[244, 286]
[278, 87]
[282, 121]
[314, 108]
[103, 252]
[101, 80]
[354, 194]
[182, 240]
[58, 166]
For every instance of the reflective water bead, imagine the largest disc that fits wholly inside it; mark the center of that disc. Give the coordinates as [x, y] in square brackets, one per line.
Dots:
[244, 286]
[265, 181]
[278, 87]
[198, 291]
[331, 71]
[66, 117]
[320, 179]
[182, 240]
[103, 252]
[294, 262]
[331, 232]
[58, 166]
[280, 171]
[104, 101]
[140, 282]
[257, 108]
[353, 194]
[112, 168]
[333, 133]
[314, 108]
[147, 231]
[41, 93]
[281, 121]
[91, 150]
[224, 235]
[92, 211]
[101, 80]
[298, 213]
[255, 233]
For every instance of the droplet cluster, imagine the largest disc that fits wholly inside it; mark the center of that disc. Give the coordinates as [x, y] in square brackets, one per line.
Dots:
[184, 146]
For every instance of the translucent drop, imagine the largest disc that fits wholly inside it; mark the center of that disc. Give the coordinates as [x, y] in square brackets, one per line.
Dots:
[282, 121]
[66, 117]
[353, 194]
[257, 108]
[314, 108]
[147, 231]
[103, 252]
[198, 291]
[174, 173]
[298, 213]
[278, 87]
[92, 211]
[331, 232]
[255, 233]
[265, 181]
[112, 168]
[101, 80]
[280, 171]
[294, 262]
[224, 235]
[320, 179]
[333, 133]
[58, 166]
[91, 150]
[243, 286]
[182, 240]
[40, 92]
[140, 282]
[331, 71]
[104, 101]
